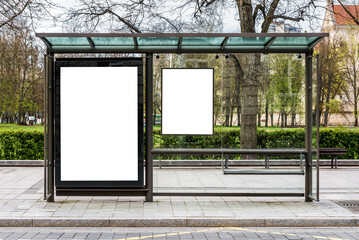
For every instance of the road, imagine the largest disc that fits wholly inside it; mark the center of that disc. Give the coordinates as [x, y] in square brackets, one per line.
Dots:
[225, 233]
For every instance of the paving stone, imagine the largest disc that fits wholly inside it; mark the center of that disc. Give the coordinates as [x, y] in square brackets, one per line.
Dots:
[21, 204]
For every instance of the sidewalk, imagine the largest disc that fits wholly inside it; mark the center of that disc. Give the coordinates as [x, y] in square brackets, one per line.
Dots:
[21, 202]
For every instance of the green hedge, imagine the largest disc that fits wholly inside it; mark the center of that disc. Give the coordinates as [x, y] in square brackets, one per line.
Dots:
[21, 145]
[288, 138]
[29, 144]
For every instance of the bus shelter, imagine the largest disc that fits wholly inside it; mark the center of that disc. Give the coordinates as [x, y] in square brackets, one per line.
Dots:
[75, 86]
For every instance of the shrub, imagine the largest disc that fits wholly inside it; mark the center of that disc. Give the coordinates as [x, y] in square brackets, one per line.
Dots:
[284, 138]
[29, 144]
[21, 145]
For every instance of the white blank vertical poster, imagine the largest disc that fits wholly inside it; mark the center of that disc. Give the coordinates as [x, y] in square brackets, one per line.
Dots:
[99, 123]
[187, 101]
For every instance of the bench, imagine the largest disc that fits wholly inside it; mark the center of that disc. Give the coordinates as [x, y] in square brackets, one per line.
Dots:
[334, 153]
[266, 163]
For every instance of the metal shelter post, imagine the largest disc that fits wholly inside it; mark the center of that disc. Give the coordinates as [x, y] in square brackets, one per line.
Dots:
[319, 79]
[308, 124]
[45, 128]
[149, 126]
[49, 189]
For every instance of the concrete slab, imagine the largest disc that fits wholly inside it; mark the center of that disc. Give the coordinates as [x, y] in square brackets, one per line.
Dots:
[21, 202]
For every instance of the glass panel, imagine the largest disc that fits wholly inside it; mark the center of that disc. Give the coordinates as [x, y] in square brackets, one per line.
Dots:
[71, 47]
[207, 47]
[292, 48]
[113, 41]
[192, 61]
[293, 41]
[244, 47]
[68, 41]
[249, 41]
[202, 41]
[283, 99]
[155, 48]
[158, 41]
[116, 47]
[266, 89]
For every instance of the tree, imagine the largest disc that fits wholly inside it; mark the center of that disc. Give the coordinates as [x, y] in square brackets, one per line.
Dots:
[146, 16]
[332, 82]
[351, 72]
[138, 16]
[21, 91]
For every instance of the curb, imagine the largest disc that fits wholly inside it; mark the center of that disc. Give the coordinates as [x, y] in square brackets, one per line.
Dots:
[182, 222]
[21, 163]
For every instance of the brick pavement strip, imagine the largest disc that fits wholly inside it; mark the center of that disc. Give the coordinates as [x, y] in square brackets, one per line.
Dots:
[187, 222]
[223, 233]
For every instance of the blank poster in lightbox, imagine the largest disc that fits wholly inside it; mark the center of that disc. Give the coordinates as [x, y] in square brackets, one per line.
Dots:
[99, 124]
[187, 101]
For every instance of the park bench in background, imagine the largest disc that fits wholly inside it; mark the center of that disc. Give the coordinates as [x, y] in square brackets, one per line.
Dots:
[333, 152]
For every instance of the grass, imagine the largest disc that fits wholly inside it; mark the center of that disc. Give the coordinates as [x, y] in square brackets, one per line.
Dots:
[238, 128]
[13, 126]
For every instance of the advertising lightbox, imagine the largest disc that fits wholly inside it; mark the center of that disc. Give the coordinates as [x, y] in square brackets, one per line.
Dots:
[187, 101]
[100, 125]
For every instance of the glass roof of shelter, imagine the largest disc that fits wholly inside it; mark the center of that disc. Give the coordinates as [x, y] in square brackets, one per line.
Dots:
[181, 42]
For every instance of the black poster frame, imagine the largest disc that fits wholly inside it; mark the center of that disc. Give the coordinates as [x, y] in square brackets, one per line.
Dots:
[99, 62]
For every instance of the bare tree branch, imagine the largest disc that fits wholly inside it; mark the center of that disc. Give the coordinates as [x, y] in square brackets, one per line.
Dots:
[261, 8]
[11, 17]
[294, 19]
[127, 23]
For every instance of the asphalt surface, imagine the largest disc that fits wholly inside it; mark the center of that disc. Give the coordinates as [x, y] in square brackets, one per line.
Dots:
[180, 233]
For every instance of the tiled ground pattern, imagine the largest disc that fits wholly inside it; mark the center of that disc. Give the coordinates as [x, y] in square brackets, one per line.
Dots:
[21, 192]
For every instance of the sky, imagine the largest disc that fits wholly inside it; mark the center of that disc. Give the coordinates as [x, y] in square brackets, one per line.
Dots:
[230, 19]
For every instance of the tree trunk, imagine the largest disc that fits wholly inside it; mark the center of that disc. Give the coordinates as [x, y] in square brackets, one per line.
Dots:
[227, 110]
[259, 119]
[356, 113]
[239, 116]
[238, 100]
[249, 96]
[326, 117]
[326, 113]
[293, 119]
[279, 115]
[227, 101]
[231, 117]
[248, 119]
[267, 110]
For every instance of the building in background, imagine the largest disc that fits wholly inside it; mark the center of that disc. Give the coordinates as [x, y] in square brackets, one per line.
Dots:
[337, 22]
[341, 27]
[282, 27]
